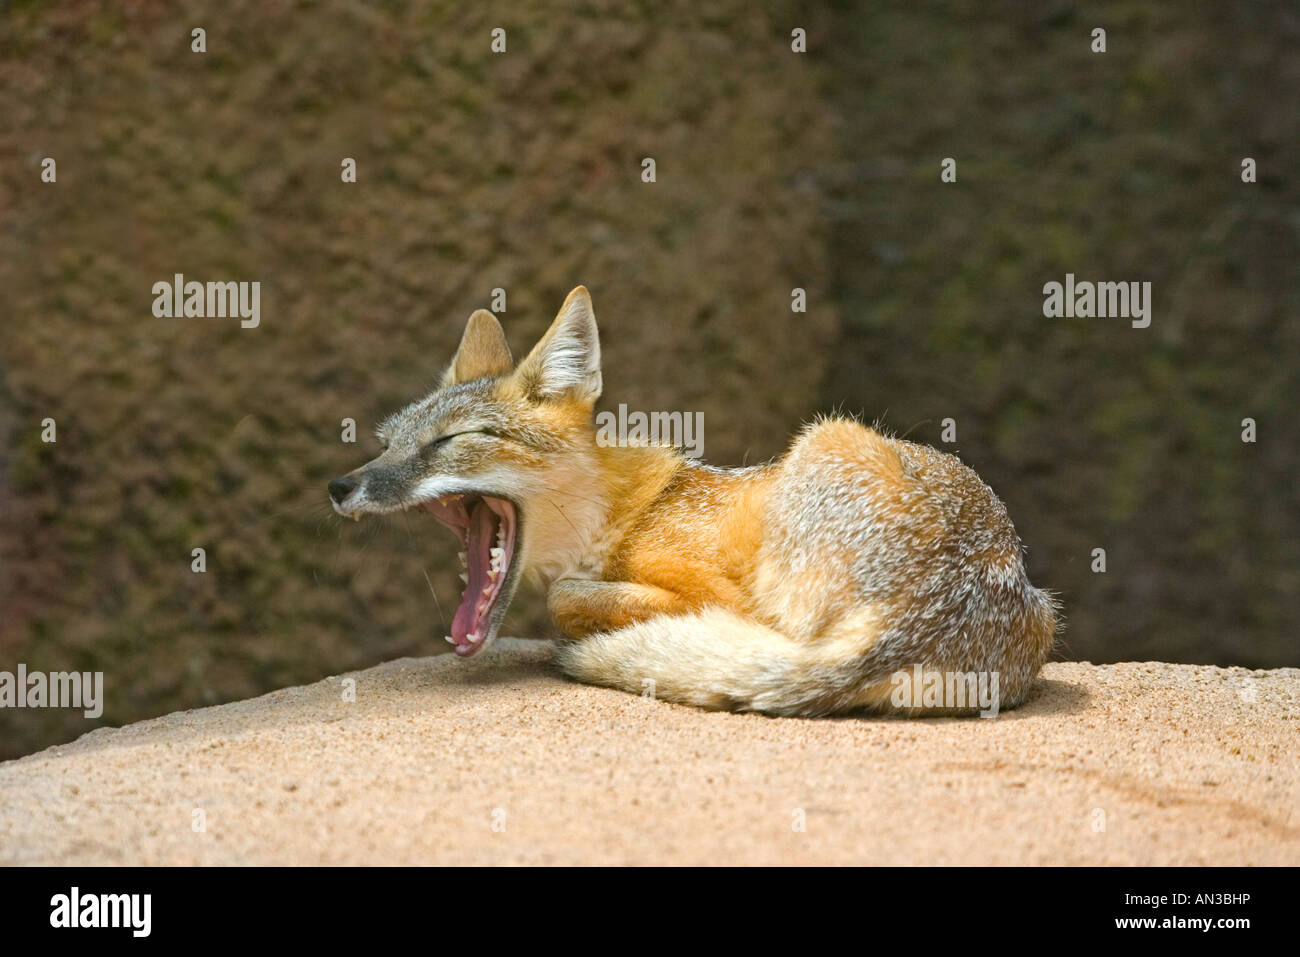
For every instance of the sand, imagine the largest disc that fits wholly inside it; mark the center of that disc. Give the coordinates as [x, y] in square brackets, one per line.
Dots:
[500, 760]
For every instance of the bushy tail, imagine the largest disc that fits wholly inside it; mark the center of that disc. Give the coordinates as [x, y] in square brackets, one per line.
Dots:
[715, 659]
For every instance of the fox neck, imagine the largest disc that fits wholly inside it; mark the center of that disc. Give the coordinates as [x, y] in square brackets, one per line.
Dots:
[587, 506]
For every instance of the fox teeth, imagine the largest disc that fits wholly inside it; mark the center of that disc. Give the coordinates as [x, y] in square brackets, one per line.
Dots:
[472, 637]
[493, 573]
[451, 640]
[464, 578]
[487, 591]
[464, 559]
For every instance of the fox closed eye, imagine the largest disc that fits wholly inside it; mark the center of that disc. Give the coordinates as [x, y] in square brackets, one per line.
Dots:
[444, 439]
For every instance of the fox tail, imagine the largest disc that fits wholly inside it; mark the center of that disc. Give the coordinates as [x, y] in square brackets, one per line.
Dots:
[718, 660]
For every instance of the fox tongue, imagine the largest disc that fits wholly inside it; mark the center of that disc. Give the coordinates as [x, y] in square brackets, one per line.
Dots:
[481, 534]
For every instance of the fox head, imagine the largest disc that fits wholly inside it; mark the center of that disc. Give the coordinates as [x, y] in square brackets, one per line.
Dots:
[500, 454]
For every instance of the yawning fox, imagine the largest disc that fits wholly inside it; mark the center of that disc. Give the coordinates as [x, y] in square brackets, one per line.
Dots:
[801, 587]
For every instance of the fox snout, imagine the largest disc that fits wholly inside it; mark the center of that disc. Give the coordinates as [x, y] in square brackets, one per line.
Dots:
[341, 488]
[350, 494]
[378, 486]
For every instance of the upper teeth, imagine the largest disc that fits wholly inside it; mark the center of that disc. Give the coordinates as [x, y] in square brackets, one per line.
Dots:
[464, 559]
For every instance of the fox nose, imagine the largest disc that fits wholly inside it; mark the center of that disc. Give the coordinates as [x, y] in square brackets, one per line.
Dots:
[340, 488]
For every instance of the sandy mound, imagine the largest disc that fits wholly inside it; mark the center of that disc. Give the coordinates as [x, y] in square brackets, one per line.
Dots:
[499, 760]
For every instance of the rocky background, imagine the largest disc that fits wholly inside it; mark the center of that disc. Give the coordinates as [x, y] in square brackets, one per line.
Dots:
[522, 171]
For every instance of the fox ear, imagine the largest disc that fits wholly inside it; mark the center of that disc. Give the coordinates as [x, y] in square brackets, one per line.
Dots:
[483, 351]
[565, 363]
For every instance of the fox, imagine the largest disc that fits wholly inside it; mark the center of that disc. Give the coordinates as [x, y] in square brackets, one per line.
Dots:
[805, 586]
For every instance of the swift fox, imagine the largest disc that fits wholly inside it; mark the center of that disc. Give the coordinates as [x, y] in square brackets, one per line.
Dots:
[799, 587]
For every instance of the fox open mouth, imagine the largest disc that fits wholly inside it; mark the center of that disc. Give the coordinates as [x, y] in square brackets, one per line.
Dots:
[487, 528]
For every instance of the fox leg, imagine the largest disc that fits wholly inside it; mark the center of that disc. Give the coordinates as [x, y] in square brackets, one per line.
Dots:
[581, 607]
